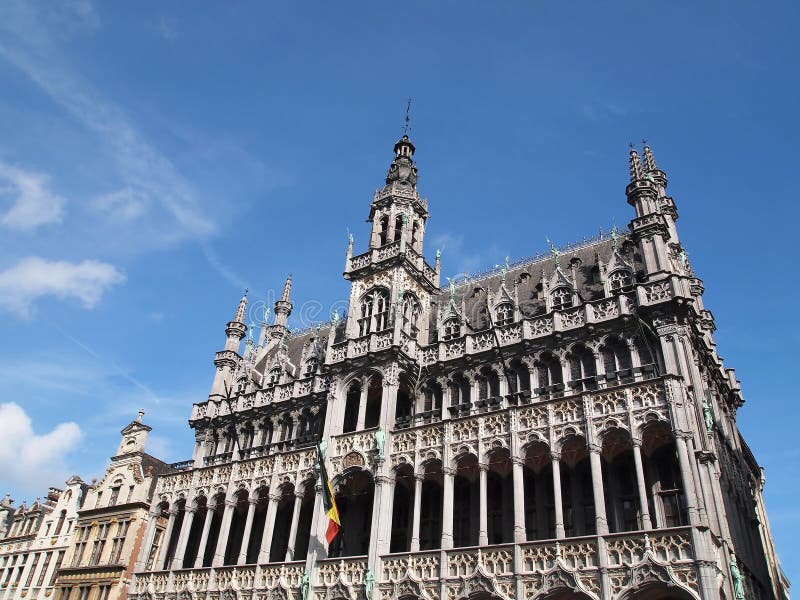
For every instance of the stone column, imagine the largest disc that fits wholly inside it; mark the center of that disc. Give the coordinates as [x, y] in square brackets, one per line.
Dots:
[248, 526]
[597, 488]
[645, 507]
[162, 552]
[557, 496]
[418, 479]
[380, 533]
[269, 527]
[483, 529]
[201, 548]
[519, 499]
[148, 539]
[298, 502]
[224, 530]
[686, 475]
[183, 538]
[447, 508]
[362, 404]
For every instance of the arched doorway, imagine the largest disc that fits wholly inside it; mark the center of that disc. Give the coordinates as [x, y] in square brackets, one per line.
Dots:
[466, 502]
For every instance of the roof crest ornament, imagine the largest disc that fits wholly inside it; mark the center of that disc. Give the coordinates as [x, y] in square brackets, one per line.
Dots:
[555, 252]
[407, 125]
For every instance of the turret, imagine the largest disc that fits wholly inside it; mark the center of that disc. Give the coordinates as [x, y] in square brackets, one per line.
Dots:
[236, 329]
[283, 308]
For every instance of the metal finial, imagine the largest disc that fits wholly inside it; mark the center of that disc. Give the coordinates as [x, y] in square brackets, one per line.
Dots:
[630, 145]
[141, 414]
[246, 290]
[408, 118]
[644, 142]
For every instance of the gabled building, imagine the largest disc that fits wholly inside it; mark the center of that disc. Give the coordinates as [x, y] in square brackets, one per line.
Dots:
[558, 428]
[32, 551]
[111, 522]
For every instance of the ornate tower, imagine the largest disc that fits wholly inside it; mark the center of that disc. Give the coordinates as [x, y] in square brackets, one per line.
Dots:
[227, 360]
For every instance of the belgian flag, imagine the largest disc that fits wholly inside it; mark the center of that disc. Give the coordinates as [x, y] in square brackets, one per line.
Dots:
[328, 501]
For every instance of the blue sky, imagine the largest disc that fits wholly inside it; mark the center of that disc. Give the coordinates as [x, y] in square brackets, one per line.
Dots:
[157, 158]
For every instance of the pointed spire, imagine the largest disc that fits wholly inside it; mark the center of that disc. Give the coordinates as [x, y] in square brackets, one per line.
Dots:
[287, 289]
[240, 311]
[635, 164]
[649, 161]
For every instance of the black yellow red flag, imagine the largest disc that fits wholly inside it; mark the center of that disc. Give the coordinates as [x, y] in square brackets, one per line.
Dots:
[328, 501]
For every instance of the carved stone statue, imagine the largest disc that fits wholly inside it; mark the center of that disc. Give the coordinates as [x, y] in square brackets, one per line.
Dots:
[304, 585]
[380, 439]
[369, 584]
[708, 416]
[736, 575]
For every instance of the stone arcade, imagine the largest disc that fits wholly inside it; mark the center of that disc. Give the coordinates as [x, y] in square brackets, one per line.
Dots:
[561, 428]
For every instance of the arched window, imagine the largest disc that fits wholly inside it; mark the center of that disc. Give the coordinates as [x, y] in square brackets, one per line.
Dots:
[241, 384]
[410, 315]
[352, 402]
[274, 376]
[616, 359]
[374, 311]
[383, 231]
[451, 329]
[433, 397]
[520, 379]
[582, 369]
[415, 235]
[488, 384]
[562, 298]
[460, 393]
[620, 281]
[505, 314]
[398, 228]
[550, 374]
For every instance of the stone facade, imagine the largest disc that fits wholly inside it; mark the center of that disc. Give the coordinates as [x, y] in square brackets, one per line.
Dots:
[560, 427]
[32, 548]
[110, 524]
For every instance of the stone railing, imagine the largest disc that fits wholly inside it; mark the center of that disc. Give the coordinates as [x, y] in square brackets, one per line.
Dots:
[628, 404]
[217, 579]
[350, 571]
[577, 559]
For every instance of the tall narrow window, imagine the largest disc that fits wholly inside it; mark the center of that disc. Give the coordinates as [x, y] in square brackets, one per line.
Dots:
[373, 311]
[383, 234]
[34, 564]
[99, 543]
[80, 545]
[398, 228]
[112, 500]
[410, 314]
[119, 541]
[60, 523]
[45, 565]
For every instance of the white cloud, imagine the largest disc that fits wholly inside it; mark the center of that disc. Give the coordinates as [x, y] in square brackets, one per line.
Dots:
[33, 277]
[32, 203]
[167, 30]
[126, 204]
[30, 462]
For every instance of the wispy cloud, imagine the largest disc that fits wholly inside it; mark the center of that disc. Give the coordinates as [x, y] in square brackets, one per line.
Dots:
[167, 29]
[32, 278]
[32, 203]
[30, 47]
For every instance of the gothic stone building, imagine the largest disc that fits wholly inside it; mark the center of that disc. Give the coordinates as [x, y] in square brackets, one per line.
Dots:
[560, 428]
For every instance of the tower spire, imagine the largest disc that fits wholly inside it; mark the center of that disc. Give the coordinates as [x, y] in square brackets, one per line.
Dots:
[635, 164]
[283, 308]
[649, 161]
[240, 311]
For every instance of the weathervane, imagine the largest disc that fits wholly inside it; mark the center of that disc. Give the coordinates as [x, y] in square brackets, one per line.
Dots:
[408, 118]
